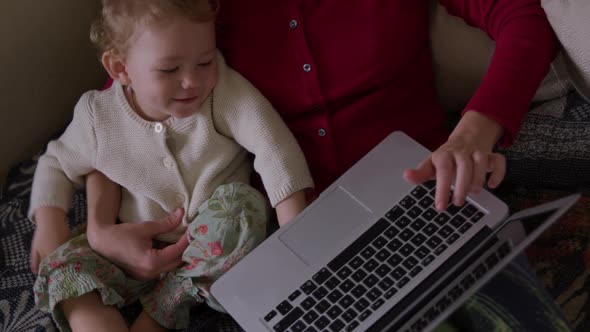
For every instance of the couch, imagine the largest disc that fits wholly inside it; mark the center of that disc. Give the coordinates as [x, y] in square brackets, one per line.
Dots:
[48, 61]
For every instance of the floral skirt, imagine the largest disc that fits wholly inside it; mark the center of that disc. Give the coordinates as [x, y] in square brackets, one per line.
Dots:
[230, 224]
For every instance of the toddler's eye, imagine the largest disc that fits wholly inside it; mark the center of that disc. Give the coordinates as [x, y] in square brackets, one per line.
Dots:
[205, 64]
[169, 70]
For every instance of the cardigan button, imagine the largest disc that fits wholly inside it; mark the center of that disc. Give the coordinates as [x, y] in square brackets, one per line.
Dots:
[322, 132]
[307, 67]
[168, 163]
[293, 24]
[159, 128]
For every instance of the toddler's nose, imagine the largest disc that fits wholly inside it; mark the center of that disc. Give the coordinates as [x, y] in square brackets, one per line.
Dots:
[189, 82]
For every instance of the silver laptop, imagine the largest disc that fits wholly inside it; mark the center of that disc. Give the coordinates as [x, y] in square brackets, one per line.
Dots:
[372, 253]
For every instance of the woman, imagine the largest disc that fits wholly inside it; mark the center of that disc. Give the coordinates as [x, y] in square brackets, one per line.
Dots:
[343, 75]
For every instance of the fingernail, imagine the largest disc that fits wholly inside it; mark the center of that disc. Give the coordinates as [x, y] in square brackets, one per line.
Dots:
[439, 206]
[178, 212]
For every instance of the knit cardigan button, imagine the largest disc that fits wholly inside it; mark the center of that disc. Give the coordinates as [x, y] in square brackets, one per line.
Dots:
[168, 163]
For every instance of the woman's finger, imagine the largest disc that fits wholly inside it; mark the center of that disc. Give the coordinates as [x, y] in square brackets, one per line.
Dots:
[498, 169]
[464, 176]
[443, 163]
[165, 225]
[480, 168]
[424, 172]
[170, 257]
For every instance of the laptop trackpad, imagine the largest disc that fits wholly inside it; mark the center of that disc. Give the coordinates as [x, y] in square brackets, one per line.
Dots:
[333, 219]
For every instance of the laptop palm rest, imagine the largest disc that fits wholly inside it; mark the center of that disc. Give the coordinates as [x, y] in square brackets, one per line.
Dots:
[340, 215]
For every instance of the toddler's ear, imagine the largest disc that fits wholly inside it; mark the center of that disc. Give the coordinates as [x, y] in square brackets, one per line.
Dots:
[115, 66]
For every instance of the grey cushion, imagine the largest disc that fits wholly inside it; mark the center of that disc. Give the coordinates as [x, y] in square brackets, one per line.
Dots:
[570, 20]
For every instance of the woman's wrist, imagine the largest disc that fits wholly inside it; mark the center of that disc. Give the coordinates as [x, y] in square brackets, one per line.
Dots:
[476, 126]
[94, 232]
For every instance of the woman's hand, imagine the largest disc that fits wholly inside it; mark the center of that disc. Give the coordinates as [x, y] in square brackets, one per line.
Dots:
[51, 231]
[130, 245]
[466, 157]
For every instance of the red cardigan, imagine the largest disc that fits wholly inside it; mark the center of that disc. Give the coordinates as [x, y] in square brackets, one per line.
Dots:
[344, 74]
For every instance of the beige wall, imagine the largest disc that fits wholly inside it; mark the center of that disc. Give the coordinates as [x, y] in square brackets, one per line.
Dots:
[46, 62]
[461, 55]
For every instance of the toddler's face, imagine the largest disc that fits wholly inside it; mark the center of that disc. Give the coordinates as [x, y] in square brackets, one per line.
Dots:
[172, 67]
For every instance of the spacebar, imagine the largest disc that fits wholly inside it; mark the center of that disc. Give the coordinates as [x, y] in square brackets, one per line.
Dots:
[361, 242]
[451, 263]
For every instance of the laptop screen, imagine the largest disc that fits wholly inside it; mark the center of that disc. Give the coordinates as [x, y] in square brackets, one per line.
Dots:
[532, 222]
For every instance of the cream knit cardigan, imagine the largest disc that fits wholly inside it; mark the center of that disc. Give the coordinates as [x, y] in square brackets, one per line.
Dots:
[178, 162]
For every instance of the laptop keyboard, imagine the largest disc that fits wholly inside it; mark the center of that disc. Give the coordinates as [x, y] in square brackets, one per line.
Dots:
[410, 304]
[375, 266]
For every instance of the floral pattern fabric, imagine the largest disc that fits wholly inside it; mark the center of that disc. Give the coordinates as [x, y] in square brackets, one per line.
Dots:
[229, 225]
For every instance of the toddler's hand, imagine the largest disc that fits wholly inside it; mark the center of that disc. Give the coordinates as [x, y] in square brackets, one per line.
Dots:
[49, 235]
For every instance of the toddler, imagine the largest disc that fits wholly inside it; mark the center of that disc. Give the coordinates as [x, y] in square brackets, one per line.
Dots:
[176, 128]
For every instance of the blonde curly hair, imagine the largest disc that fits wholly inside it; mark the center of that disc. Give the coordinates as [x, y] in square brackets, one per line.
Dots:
[119, 18]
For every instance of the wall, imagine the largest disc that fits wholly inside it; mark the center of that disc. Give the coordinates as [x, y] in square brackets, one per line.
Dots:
[46, 62]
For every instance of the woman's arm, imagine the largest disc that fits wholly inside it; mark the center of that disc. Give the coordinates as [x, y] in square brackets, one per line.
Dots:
[104, 200]
[525, 47]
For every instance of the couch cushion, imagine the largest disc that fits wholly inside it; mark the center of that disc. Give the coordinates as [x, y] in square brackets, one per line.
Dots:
[571, 21]
[552, 147]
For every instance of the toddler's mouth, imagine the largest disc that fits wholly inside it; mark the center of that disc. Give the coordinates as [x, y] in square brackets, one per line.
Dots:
[185, 100]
